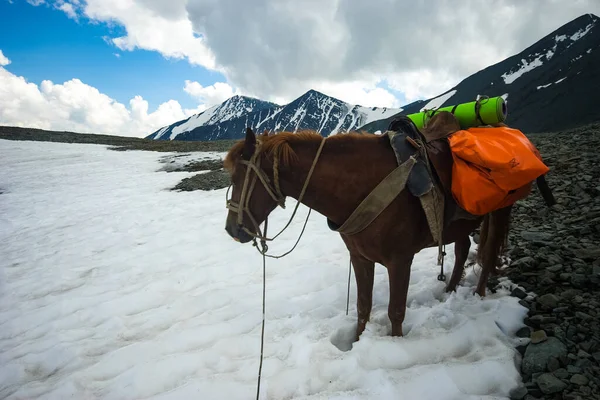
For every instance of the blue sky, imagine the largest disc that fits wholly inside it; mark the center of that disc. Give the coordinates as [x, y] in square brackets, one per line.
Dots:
[129, 67]
[44, 43]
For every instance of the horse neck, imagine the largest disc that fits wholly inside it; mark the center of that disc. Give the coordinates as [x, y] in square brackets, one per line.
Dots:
[346, 172]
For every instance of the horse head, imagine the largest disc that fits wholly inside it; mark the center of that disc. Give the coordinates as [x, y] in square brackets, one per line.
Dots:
[253, 196]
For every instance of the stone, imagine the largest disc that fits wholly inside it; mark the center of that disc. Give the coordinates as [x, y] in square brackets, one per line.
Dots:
[578, 280]
[524, 332]
[555, 268]
[532, 236]
[583, 354]
[538, 336]
[580, 380]
[537, 355]
[548, 301]
[553, 364]
[523, 261]
[582, 315]
[518, 393]
[587, 254]
[571, 369]
[518, 292]
[561, 373]
[550, 384]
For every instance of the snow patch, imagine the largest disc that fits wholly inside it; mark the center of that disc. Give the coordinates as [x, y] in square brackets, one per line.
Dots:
[560, 38]
[370, 114]
[510, 77]
[114, 286]
[582, 32]
[438, 101]
[193, 122]
[551, 83]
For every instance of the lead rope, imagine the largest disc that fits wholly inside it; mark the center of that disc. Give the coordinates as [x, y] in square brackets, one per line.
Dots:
[348, 295]
[262, 331]
[263, 251]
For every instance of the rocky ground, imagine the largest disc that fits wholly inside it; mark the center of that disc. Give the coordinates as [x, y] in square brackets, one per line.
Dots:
[554, 255]
[121, 143]
[555, 260]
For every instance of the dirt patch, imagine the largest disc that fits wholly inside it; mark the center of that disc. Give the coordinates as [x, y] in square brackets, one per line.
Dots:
[212, 180]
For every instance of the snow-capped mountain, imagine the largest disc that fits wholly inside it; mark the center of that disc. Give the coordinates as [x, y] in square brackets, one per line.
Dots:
[231, 108]
[550, 85]
[312, 110]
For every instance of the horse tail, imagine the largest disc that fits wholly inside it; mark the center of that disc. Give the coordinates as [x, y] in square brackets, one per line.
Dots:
[493, 238]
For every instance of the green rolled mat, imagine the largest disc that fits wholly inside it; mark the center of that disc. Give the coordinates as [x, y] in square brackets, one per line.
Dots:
[491, 111]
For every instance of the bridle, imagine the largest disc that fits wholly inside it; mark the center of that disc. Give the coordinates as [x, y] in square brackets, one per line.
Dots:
[273, 190]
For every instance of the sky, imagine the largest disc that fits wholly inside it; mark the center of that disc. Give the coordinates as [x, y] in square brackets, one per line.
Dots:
[129, 67]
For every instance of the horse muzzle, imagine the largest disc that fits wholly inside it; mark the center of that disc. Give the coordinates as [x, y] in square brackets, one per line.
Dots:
[237, 233]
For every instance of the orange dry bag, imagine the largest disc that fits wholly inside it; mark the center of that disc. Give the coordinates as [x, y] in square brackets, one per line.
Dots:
[493, 168]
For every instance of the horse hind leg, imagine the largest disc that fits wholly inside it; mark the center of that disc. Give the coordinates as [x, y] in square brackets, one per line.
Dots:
[493, 241]
[364, 271]
[461, 253]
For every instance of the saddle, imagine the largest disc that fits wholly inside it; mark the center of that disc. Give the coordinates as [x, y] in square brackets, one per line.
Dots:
[431, 177]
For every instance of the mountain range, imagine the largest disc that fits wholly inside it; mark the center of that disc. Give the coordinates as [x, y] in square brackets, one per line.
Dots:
[548, 86]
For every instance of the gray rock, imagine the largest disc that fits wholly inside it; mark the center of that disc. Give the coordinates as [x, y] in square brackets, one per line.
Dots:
[582, 315]
[588, 254]
[579, 280]
[561, 373]
[548, 301]
[580, 380]
[553, 365]
[555, 268]
[523, 332]
[571, 369]
[518, 393]
[537, 355]
[536, 236]
[550, 384]
[583, 354]
[538, 336]
[523, 261]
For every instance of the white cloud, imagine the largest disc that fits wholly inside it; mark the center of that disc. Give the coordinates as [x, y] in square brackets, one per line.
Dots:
[210, 95]
[362, 93]
[67, 8]
[3, 59]
[277, 50]
[153, 25]
[76, 106]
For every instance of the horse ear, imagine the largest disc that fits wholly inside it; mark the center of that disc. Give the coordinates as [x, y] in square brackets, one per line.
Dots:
[249, 144]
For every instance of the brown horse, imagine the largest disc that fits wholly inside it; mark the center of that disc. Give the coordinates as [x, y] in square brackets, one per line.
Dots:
[332, 176]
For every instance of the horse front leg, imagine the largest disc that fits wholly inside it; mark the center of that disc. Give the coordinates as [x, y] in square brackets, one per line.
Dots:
[364, 271]
[399, 276]
[461, 253]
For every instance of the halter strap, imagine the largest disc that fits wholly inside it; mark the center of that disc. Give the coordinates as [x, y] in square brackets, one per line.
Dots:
[248, 188]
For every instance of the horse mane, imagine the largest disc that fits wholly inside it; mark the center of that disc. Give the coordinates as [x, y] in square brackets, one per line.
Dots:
[280, 145]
